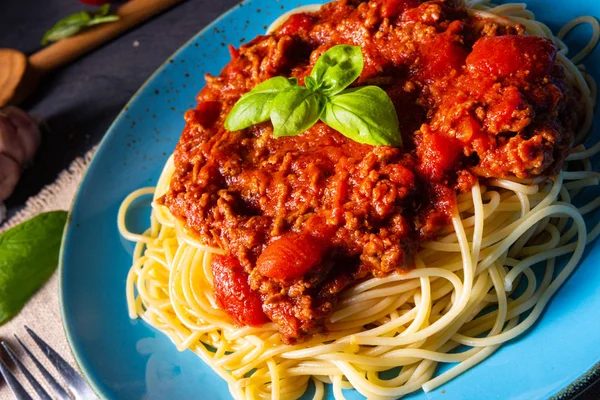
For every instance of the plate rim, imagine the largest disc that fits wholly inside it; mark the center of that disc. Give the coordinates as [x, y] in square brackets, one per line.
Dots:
[87, 375]
[571, 390]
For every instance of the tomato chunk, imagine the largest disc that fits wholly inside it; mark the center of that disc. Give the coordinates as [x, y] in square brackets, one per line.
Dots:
[438, 154]
[296, 23]
[233, 292]
[512, 55]
[394, 8]
[441, 54]
[290, 256]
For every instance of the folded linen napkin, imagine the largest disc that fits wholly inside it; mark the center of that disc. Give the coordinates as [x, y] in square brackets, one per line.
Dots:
[42, 312]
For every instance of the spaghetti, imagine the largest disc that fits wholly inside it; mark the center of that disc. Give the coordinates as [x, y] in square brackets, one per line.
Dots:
[473, 288]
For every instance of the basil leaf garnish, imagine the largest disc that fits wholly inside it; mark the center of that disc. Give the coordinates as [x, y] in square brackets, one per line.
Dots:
[75, 23]
[311, 84]
[337, 68]
[295, 110]
[255, 106]
[365, 115]
[28, 257]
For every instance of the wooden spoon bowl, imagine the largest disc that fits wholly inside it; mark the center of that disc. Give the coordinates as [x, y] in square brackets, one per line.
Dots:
[13, 65]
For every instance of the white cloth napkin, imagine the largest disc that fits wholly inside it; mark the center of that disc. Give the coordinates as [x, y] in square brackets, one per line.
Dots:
[42, 313]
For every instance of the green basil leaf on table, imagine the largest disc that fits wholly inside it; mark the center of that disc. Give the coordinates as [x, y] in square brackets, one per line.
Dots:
[103, 10]
[103, 20]
[67, 27]
[365, 115]
[336, 69]
[28, 257]
[255, 106]
[294, 110]
[75, 23]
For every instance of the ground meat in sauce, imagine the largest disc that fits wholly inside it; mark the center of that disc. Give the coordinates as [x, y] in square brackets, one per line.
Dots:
[301, 218]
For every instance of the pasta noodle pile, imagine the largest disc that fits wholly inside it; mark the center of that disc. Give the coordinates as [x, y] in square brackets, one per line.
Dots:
[472, 290]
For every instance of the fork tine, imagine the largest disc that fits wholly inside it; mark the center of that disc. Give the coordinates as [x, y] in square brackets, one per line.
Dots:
[34, 383]
[56, 388]
[75, 382]
[14, 385]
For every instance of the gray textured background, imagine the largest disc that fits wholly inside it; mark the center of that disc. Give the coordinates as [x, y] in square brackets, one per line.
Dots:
[79, 102]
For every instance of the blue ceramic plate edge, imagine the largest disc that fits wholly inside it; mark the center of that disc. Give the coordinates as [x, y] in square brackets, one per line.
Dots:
[80, 364]
[579, 385]
[570, 391]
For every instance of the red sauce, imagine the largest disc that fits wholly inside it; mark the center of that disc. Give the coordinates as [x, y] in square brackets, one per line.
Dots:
[207, 113]
[303, 217]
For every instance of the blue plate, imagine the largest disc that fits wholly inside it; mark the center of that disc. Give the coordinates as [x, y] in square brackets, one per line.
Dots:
[125, 359]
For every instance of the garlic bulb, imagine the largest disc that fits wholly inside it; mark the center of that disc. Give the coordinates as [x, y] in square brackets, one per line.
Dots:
[10, 172]
[19, 140]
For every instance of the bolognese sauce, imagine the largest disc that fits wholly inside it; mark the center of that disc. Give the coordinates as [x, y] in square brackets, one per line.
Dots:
[301, 218]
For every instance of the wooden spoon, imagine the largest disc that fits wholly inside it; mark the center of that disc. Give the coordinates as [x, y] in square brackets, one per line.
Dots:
[19, 75]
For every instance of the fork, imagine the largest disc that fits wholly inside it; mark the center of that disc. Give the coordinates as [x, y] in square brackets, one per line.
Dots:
[75, 383]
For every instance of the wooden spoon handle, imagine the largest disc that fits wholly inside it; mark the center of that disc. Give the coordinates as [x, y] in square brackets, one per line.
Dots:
[131, 14]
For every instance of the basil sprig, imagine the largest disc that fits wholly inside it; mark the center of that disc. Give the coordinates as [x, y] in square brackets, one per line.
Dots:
[335, 70]
[365, 114]
[74, 23]
[294, 110]
[255, 106]
[28, 257]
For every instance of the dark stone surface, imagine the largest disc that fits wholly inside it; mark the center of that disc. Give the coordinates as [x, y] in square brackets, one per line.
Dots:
[79, 102]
